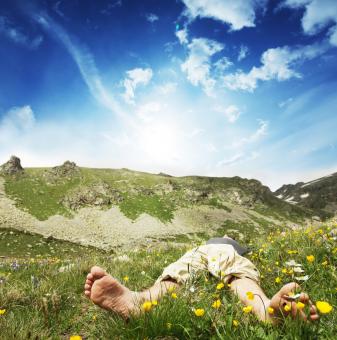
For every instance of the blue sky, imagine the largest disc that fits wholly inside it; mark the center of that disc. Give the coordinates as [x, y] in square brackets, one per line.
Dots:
[206, 87]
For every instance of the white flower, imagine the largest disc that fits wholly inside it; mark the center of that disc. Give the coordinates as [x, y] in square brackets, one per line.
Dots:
[143, 273]
[192, 289]
[292, 263]
[298, 270]
[302, 278]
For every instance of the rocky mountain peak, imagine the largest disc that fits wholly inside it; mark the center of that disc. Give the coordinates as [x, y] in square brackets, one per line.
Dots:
[13, 166]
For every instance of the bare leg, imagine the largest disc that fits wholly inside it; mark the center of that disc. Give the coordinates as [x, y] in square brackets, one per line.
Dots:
[106, 292]
[260, 302]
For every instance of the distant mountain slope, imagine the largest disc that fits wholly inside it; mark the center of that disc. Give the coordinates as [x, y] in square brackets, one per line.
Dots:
[320, 195]
[115, 207]
[64, 189]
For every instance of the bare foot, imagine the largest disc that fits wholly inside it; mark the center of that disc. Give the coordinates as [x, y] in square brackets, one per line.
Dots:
[106, 292]
[281, 299]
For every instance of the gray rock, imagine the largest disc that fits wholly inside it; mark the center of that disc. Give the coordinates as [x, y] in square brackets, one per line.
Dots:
[12, 167]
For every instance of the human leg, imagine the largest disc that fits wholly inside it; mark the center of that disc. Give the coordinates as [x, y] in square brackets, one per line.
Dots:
[108, 293]
[226, 264]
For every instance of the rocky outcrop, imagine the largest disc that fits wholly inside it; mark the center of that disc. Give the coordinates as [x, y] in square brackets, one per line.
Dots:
[67, 169]
[99, 195]
[12, 167]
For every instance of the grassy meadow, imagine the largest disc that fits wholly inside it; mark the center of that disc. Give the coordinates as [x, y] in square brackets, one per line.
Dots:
[41, 292]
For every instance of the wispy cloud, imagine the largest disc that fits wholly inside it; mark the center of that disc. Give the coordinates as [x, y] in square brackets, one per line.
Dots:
[243, 52]
[254, 137]
[151, 17]
[232, 160]
[15, 34]
[18, 118]
[85, 62]
[231, 112]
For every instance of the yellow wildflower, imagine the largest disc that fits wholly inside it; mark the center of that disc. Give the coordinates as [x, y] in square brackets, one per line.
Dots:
[170, 289]
[174, 295]
[199, 312]
[278, 280]
[270, 310]
[147, 305]
[94, 317]
[324, 307]
[216, 304]
[247, 309]
[235, 323]
[169, 325]
[325, 263]
[75, 337]
[220, 286]
[2, 311]
[126, 278]
[287, 308]
[310, 258]
[154, 302]
[229, 285]
[250, 296]
[300, 305]
[284, 270]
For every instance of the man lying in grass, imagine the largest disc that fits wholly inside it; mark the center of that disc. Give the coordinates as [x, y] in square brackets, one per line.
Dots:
[222, 257]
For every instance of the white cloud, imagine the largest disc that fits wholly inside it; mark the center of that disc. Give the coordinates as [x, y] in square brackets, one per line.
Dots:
[238, 158]
[277, 63]
[135, 77]
[16, 35]
[182, 36]
[231, 112]
[318, 14]
[197, 66]
[243, 52]
[238, 14]
[167, 88]
[258, 134]
[19, 118]
[151, 17]
[285, 103]
[221, 65]
[232, 160]
[147, 111]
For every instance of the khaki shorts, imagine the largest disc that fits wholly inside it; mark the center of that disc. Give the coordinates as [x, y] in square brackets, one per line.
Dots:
[221, 260]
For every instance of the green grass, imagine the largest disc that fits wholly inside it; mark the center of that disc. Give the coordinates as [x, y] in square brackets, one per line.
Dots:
[43, 303]
[154, 205]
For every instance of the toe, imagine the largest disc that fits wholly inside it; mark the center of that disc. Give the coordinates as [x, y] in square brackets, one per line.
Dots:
[88, 282]
[87, 293]
[90, 277]
[97, 272]
[87, 287]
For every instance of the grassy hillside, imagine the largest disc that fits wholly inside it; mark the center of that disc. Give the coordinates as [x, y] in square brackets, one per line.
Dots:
[40, 301]
[45, 192]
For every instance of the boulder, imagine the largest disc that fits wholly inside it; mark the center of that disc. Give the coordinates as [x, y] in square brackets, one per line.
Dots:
[12, 167]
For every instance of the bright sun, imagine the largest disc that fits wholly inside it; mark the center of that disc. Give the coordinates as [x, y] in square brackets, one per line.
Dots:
[159, 142]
